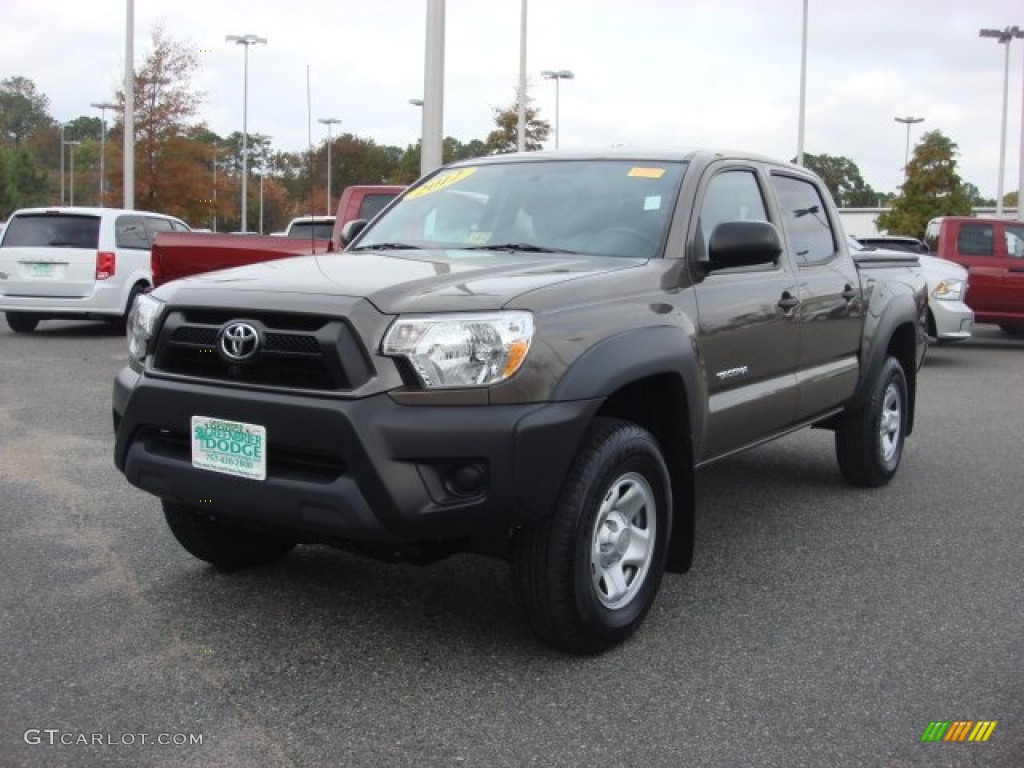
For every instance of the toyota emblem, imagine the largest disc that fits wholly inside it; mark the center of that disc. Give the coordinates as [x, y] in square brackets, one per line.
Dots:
[239, 342]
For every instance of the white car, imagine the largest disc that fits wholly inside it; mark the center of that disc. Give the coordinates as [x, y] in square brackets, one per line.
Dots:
[949, 318]
[68, 263]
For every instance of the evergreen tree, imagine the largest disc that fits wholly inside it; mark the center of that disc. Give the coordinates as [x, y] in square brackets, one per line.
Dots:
[932, 188]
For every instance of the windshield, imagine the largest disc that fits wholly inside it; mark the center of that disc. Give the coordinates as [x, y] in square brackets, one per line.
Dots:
[600, 207]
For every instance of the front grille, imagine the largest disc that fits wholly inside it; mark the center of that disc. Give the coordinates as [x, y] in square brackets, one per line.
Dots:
[296, 351]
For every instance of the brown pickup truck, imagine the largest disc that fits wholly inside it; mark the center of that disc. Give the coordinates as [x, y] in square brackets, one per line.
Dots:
[180, 254]
[525, 356]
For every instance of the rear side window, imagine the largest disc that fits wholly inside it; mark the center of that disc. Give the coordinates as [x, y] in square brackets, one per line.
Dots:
[804, 219]
[131, 233]
[155, 224]
[47, 230]
[373, 204]
[974, 240]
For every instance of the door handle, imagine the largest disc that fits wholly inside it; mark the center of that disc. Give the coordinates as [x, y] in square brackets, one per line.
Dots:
[788, 301]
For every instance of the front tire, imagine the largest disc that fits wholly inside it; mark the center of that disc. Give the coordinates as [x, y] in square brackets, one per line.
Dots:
[219, 544]
[587, 574]
[869, 441]
[21, 322]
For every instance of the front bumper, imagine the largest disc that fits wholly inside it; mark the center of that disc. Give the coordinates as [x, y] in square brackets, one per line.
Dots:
[954, 320]
[365, 470]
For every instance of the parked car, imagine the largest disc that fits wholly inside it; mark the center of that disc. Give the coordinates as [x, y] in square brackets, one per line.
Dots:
[894, 243]
[87, 263]
[992, 252]
[949, 318]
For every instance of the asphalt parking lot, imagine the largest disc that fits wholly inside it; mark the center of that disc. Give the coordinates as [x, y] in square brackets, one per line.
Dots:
[821, 625]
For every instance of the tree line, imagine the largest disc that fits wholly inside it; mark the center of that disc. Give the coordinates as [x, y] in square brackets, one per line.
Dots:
[185, 169]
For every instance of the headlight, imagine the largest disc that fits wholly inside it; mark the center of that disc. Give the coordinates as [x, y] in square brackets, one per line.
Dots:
[461, 350]
[949, 290]
[141, 321]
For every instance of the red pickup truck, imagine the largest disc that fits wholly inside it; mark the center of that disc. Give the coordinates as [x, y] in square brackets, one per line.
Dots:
[992, 252]
[180, 254]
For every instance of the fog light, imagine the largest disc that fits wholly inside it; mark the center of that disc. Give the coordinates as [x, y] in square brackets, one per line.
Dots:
[466, 479]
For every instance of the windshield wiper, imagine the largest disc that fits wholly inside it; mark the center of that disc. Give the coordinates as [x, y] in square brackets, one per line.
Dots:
[524, 247]
[386, 247]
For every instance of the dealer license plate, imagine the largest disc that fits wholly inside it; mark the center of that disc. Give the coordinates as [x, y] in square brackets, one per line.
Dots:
[231, 447]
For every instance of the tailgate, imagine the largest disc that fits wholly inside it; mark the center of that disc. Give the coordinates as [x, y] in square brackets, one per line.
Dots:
[50, 272]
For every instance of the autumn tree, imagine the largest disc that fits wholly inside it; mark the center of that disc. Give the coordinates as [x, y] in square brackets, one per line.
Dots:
[170, 168]
[506, 137]
[932, 188]
[843, 179]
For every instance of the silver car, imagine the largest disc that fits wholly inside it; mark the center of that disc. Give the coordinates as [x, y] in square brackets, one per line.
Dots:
[949, 318]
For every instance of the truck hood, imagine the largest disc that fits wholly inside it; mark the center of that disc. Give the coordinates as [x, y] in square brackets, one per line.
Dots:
[409, 281]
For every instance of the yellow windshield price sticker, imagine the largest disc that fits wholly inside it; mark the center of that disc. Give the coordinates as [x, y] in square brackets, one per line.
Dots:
[442, 180]
[646, 173]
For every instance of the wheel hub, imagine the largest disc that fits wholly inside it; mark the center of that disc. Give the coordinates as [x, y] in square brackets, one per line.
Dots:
[614, 538]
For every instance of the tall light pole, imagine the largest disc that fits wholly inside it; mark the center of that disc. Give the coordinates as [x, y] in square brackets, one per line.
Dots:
[62, 142]
[556, 75]
[103, 106]
[329, 121]
[71, 178]
[907, 121]
[432, 143]
[803, 92]
[128, 162]
[521, 106]
[1003, 36]
[247, 41]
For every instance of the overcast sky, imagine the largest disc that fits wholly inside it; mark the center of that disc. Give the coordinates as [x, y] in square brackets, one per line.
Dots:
[723, 73]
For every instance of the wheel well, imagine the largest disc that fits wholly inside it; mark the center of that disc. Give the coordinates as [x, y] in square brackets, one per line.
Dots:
[659, 404]
[903, 346]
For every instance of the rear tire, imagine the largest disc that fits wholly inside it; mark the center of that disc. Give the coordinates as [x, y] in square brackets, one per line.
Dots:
[587, 574]
[869, 441]
[225, 546]
[121, 323]
[1013, 329]
[21, 322]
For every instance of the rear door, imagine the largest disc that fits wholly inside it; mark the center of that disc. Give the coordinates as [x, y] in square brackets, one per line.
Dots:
[1013, 282]
[831, 314]
[50, 254]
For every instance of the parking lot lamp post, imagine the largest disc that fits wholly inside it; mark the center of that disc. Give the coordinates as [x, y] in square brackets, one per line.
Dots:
[1003, 37]
[71, 177]
[61, 129]
[328, 121]
[907, 121]
[556, 75]
[247, 41]
[103, 106]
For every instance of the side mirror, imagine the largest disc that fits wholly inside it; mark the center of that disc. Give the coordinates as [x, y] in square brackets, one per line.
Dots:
[743, 244]
[351, 231]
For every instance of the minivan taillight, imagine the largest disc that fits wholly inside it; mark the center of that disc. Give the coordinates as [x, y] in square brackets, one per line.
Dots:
[105, 265]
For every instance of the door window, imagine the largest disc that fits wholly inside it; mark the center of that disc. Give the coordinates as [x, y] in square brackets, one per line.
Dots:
[1015, 241]
[730, 196]
[974, 240]
[804, 220]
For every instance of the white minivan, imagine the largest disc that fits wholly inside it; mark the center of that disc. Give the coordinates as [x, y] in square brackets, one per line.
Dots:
[67, 263]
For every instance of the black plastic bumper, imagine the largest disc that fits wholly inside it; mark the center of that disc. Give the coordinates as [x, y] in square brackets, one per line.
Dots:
[366, 470]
